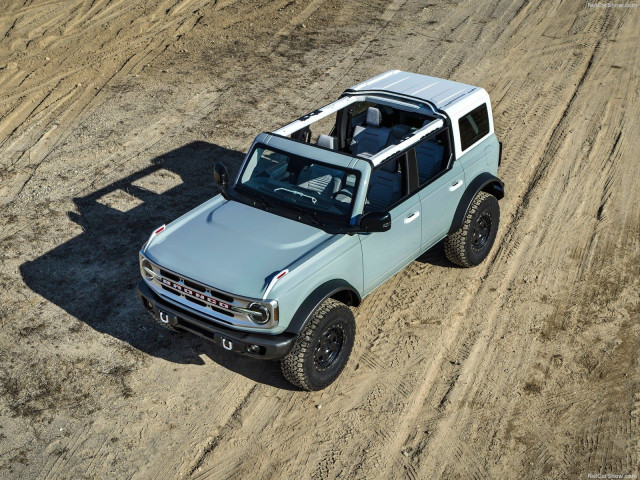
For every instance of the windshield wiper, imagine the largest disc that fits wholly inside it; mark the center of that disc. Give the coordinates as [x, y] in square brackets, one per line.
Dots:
[299, 194]
[257, 198]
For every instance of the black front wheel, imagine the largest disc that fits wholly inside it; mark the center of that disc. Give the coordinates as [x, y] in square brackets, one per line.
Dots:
[323, 347]
[471, 243]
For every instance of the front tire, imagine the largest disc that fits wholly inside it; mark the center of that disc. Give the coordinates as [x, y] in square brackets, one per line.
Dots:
[470, 244]
[322, 349]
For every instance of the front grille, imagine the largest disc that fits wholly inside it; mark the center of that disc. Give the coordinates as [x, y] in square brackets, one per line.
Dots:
[198, 287]
[219, 305]
[198, 294]
[195, 286]
[197, 302]
[170, 275]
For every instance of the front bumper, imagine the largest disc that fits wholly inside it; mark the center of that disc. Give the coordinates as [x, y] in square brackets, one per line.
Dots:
[268, 347]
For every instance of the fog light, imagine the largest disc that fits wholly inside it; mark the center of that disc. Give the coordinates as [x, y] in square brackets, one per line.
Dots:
[253, 348]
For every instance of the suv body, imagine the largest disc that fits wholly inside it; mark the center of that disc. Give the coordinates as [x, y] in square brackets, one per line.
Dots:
[312, 219]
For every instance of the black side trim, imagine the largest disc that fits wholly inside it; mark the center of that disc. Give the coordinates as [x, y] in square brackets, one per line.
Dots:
[484, 182]
[412, 171]
[500, 154]
[319, 295]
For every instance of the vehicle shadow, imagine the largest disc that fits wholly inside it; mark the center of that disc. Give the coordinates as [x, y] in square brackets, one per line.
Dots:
[435, 256]
[93, 276]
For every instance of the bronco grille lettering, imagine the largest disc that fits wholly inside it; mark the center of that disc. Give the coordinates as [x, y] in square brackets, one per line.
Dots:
[191, 293]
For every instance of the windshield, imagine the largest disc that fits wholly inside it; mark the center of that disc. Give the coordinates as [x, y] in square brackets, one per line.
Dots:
[300, 184]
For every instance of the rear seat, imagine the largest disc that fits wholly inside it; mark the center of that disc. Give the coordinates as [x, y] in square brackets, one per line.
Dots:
[429, 155]
[385, 187]
[372, 138]
[398, 134]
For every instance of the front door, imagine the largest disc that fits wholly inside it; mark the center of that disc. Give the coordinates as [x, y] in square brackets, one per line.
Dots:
[385, 253]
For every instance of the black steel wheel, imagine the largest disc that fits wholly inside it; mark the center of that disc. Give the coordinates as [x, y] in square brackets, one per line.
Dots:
[328, 347]
[322, 348]
[481, 231]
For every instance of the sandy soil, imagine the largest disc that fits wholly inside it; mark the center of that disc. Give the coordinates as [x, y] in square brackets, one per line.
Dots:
[112, 114]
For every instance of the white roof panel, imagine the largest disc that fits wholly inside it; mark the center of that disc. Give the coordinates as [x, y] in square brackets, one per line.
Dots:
[442, 93]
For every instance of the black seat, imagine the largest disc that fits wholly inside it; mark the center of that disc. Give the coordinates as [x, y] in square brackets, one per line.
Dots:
[385, 187]
[371, 138]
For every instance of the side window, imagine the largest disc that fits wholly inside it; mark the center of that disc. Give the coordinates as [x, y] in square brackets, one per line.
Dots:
[386, 185]
[432, 156]
[473, 126]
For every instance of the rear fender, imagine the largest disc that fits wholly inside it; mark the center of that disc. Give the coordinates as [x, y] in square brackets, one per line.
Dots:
[485, 182]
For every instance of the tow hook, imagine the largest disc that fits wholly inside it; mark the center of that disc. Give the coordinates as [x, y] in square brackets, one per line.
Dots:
[167, 319]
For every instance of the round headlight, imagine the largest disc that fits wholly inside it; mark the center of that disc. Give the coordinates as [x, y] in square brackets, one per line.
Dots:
[261, 315]
[146, 269]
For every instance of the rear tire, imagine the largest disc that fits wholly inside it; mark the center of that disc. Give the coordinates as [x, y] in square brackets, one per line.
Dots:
[322, 349]
[470, 244]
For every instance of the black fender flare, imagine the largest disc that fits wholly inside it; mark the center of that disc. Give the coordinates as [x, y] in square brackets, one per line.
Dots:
[319, 295]
[485, 182]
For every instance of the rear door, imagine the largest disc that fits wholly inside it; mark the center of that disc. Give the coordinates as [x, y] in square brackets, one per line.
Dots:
[441, 185]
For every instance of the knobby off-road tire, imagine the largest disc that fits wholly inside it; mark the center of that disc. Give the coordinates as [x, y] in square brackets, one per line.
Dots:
[470, 244]
[322, 349]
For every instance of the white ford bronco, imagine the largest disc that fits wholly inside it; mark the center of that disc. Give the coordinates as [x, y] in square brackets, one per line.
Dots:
[322, 212]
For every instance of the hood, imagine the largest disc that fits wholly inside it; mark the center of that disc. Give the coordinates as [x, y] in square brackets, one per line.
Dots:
[232, 247]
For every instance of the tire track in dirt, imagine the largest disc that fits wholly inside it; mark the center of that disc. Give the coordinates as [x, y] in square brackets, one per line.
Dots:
[101, 180]
[441, 378]
[539, 188]
[78, 26]
[371, 311]
[421, 397]
[132, 66]
[353, 56]
[200, 102]
[382, 292]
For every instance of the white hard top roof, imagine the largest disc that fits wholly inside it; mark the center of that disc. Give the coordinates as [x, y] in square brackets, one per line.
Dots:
[442, 93]
[453, 98]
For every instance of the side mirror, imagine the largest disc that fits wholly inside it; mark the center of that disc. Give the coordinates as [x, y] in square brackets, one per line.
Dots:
[375, 222]
[221, 177]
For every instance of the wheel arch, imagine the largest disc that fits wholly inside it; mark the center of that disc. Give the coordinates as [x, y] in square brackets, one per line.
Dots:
[338, 289]
[485, 182]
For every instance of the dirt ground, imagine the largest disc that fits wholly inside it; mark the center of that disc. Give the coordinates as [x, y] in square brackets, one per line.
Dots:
[112, 114]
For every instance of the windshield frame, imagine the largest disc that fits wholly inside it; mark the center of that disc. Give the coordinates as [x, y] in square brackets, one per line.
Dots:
[278, 204]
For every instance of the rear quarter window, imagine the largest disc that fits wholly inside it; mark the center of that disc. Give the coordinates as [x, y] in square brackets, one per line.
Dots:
[473, 126]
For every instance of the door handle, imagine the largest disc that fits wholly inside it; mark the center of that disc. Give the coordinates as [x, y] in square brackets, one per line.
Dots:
[411, 217]
[456, 185]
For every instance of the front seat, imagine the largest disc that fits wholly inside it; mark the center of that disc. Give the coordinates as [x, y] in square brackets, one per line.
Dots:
[327, 141]
[371, 138]
[385, 187]
[319, 179]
